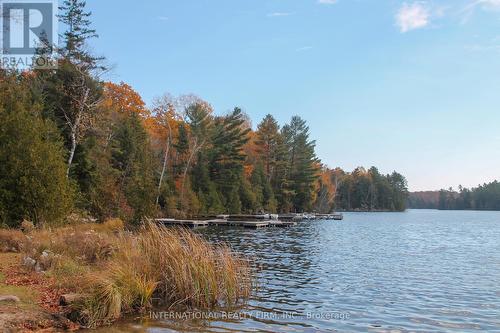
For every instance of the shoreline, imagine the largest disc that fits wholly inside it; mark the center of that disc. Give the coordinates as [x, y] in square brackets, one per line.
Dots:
[118, 273]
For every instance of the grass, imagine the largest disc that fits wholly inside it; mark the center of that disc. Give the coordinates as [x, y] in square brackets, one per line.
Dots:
[27, 295]
[122, 272]
[11, 240]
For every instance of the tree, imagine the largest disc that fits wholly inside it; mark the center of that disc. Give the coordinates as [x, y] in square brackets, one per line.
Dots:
[325, 192]
[267, 143]
[33, 183]
[400, 191]
[200, 122]
[165, 115]
[370, 190]
[78, 23]
[302, 166]
[72, 100]
[226, 155]
[261, 187]
[132, 157]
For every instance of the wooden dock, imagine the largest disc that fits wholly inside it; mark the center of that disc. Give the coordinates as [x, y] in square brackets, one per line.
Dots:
[282, 224]
[336, 217]
[185, 223]
[251, 224]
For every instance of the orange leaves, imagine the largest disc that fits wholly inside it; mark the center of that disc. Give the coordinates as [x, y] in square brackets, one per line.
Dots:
[122, 98]
[326, 181]
[248, 169]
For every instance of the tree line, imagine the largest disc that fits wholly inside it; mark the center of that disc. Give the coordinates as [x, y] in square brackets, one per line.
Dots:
[369, 190]
[483, 197]
[72, 142]
[423, 200]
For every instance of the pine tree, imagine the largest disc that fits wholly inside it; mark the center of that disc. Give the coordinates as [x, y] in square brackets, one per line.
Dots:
[267, 143]
[226, 156]
[261, 186]
[78, 24]
[302, 167]
[200, 124]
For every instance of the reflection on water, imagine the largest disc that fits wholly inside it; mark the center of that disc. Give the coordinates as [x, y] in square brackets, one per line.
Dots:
[417, 271]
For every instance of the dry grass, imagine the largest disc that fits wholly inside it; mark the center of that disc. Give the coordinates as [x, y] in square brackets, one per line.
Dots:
[122, 272]
[193, 271]
[173, 265]
[11, 240]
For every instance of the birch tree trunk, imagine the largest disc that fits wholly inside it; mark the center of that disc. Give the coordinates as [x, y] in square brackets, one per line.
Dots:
[195, 150]
[165, 160]
[72, 151]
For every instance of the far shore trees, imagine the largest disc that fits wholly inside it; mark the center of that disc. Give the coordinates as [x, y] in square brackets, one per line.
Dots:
[368, 190]
[482, 197]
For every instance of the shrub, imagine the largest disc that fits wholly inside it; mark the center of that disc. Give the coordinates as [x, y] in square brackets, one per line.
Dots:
[11, 240]
[80, 243]
[113, 225]
[27, 226]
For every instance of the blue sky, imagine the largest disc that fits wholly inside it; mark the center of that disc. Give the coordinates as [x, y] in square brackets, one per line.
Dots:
[410, 86]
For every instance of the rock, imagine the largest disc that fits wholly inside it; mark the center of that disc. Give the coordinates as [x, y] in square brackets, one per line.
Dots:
[9, 299]
[68, 299]
[45, 261]
[29, 262]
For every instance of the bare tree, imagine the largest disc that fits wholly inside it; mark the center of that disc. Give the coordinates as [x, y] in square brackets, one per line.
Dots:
[81, 111]
[165, 109]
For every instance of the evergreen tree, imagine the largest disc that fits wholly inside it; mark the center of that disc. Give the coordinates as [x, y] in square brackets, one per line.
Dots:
[227, 157]
[132, 157]
[264, 195]
[78, 24]
[209, 198]
[302, 169]
[33, 184]
[400, 191]
[268, 144]
[200, 125]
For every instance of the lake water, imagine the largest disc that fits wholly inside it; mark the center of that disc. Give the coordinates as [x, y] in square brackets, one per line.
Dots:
[418, 271]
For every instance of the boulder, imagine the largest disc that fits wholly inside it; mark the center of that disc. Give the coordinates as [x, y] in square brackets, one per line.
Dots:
[69, 299]
[9, 299]
[29, 262]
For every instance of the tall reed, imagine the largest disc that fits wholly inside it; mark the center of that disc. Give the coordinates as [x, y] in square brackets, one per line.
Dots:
[121, 272]
[174, 266]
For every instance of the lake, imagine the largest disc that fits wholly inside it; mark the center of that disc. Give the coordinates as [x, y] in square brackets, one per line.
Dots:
[419, 271]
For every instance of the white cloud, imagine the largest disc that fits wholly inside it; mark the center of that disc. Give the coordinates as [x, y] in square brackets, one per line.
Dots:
[488, 4]
[413, 16]
[304, 48]
[468, 11]
[278, 14]
[327, 2]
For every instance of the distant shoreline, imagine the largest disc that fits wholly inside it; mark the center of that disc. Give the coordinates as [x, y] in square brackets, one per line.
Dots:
[458, 210]
[371, 211]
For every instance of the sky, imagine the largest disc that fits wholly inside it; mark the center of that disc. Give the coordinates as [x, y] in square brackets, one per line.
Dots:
[412, 86]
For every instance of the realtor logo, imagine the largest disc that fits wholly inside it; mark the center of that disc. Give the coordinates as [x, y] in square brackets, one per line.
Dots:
[27, 26]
